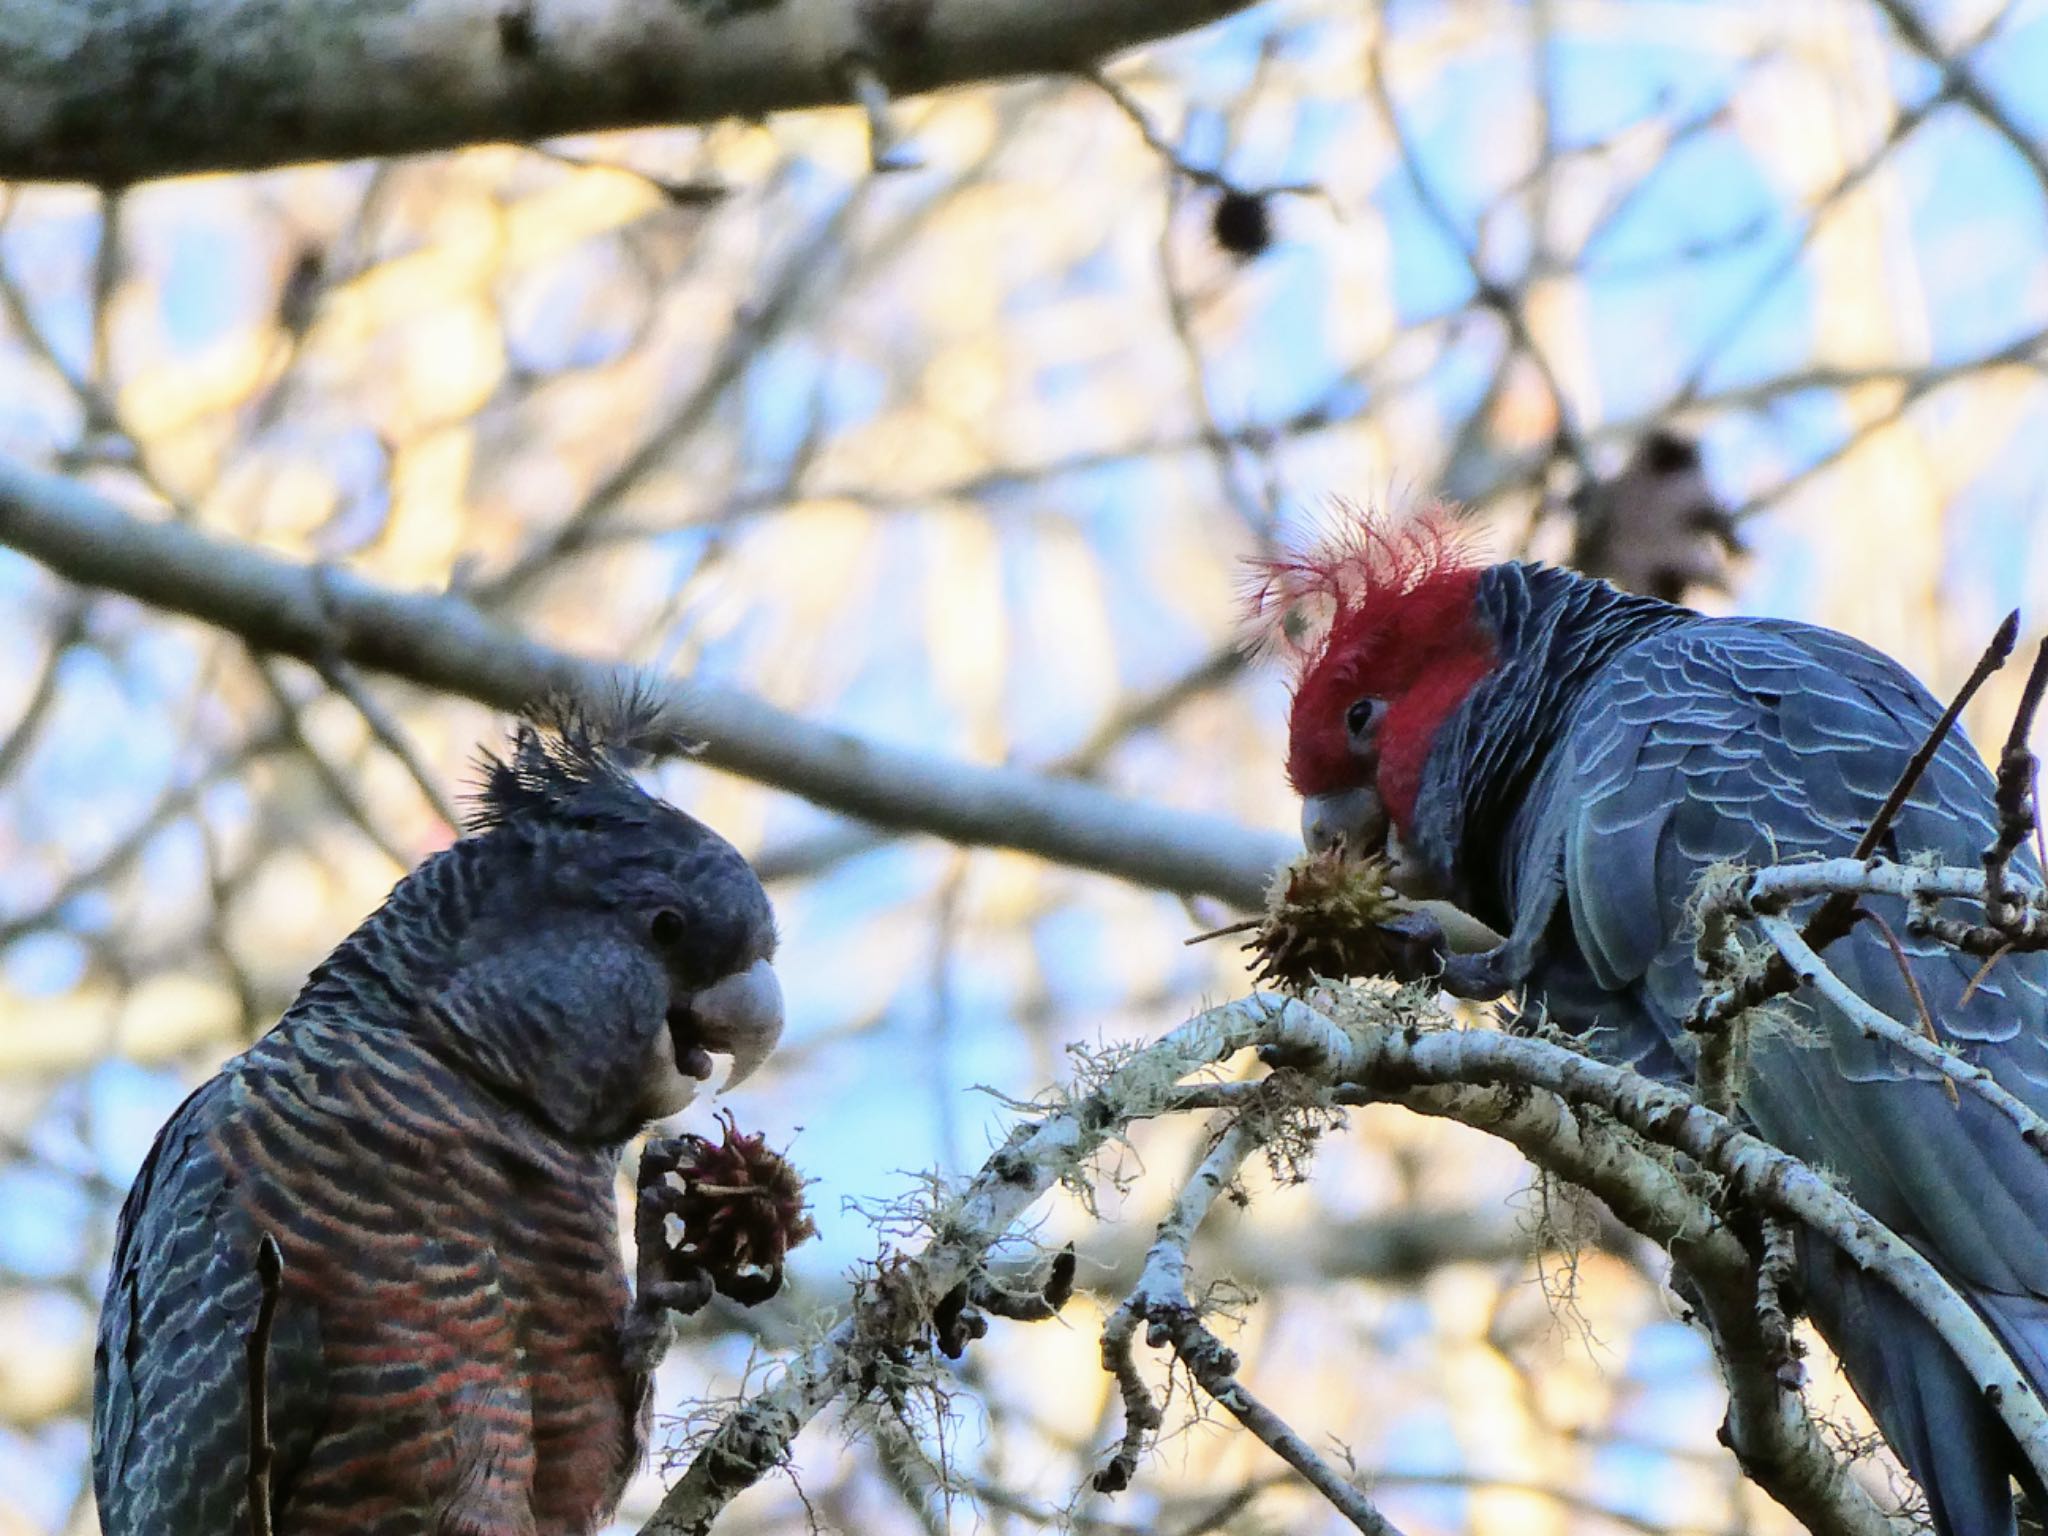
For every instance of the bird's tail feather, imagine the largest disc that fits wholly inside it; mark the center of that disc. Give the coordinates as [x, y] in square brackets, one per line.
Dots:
[2021, 1323]
[1957, 1449]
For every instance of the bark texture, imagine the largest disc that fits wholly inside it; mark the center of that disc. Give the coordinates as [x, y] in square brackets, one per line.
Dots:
[118, 91]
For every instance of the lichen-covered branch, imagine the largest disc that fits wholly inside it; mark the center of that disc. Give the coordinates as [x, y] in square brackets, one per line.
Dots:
[116, 91]
[1602, 1127]
[1160, 1302]
[1754, 1171]
[2017, 912]
[1038, 1154]
[1875, 1025]
[1768, 1429]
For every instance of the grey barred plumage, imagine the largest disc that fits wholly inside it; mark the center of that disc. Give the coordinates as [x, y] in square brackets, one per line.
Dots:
[432, 1133]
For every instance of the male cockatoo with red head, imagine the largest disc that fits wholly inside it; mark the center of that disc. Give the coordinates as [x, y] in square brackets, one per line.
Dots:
[1564, 761]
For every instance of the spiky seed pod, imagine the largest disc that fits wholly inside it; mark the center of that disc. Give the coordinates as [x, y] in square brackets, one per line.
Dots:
[1323, 918]
[741, 1206]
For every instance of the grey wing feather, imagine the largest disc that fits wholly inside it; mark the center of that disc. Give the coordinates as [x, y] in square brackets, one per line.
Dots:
[171, 1403]
[1761, 742]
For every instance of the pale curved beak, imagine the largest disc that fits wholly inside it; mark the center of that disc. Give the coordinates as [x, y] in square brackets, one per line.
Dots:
[1353, 818]
[740, 1017]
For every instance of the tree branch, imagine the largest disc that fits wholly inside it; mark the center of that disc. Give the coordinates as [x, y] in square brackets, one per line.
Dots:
[1599, 1126]
[325, 614]
[1160, 1300]
[1768, 1429]
[1774, 1181]
[117, 91]
[1875, 1025]
[756, 1438]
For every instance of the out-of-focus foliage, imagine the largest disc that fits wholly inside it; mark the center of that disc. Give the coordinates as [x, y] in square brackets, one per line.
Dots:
[967, 457]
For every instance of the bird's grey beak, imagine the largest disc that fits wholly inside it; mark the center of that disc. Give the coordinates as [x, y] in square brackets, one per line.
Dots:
[1353, 817]
[740, 1017]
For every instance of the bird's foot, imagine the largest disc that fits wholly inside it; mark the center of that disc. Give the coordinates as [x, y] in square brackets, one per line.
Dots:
[1415, 946]
[1419, 950]
[651, 1320]
[716, 1217]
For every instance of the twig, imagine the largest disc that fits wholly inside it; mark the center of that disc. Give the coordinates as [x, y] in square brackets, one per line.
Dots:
[1505, 301]
[886, 152]
[1960, 83]
[1978, 976]
[340, 789]
[1245, 926]
[1162, 1282]
[1996, 655]
[1160, 1301]
[339, 676]
[1143, 1417]
[1035, 1306]
[262, 1450]
[1921, 1012]
[1777, 1279]
[129, 846]
[1214, 1368]
[68, 629]
[1873, 1025]
[2030, 933]
[2018, 815]
[684, 194]
[1201, 176]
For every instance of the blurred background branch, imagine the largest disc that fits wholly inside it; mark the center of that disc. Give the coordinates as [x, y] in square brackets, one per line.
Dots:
[329, 617]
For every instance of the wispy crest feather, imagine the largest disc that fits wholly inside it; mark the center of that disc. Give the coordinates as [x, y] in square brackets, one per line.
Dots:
[1360, 555]
[572, 757]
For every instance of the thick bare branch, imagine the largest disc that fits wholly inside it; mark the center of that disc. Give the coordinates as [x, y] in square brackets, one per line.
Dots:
[117, 91]
[324, 614]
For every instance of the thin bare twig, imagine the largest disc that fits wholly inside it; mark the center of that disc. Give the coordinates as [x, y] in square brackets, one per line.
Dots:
[66, 632]
[2018, 812]
[384, 726]
[1200, 175]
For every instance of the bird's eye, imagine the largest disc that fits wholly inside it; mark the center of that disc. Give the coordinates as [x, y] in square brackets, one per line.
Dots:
[666, 926]
[1363, 716]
